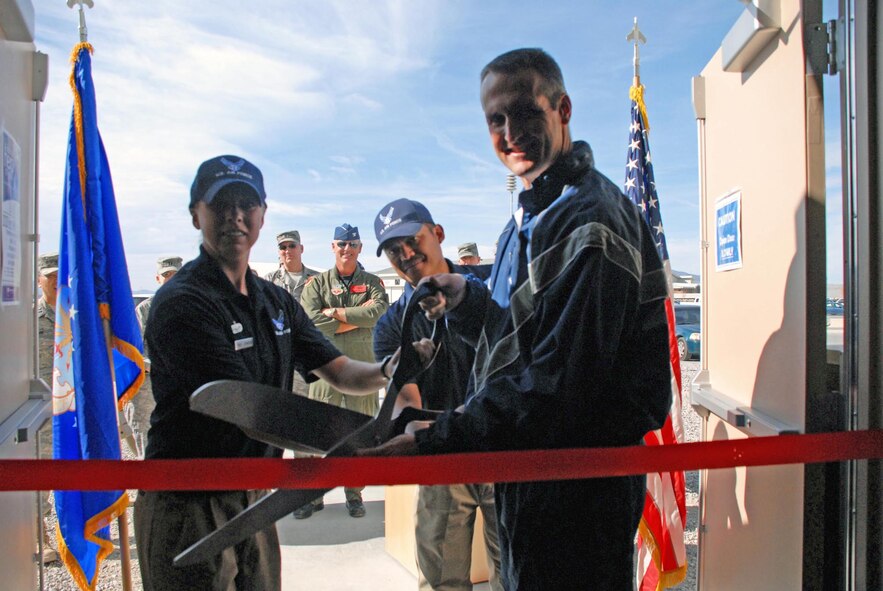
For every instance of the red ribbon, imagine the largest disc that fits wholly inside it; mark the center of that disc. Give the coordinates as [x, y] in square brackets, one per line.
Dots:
[509, 466]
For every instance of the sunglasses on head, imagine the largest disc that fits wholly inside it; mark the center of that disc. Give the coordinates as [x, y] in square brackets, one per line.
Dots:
[352, 244]
[288, 246]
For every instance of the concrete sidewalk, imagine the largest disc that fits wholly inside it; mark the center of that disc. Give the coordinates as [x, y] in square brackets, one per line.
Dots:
[333, 551]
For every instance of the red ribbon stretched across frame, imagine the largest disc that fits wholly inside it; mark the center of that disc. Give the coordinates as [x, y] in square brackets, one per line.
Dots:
[509, 466]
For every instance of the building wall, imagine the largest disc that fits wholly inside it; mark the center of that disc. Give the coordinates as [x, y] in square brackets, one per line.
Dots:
[755, 340]
[21, 411]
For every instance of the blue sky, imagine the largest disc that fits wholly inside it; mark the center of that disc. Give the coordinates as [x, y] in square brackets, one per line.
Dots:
[348, 105]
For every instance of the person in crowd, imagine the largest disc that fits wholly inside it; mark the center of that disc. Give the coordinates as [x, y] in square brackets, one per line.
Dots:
[47, 266]
[571, 335]
[142, 404]
[292, 275]
[445, 515]
[468, 253]
[345, 303]
[166, 267]
[217, 320]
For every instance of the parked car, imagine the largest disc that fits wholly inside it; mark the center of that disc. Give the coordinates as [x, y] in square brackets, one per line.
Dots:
[688, 330]
[834, 307]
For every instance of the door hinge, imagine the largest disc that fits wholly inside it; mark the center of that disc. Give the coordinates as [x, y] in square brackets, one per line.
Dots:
[824, 47]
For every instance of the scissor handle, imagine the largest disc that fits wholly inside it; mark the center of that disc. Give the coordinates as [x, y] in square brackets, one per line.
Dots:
[410, 365]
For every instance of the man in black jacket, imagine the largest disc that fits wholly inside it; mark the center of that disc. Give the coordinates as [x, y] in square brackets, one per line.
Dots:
[571, 336]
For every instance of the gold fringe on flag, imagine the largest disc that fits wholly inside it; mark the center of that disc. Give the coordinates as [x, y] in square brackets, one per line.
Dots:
[636, 93]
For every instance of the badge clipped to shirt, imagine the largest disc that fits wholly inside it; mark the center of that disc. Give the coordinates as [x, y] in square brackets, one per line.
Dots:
[246, 343]
[358, 288]
[236, 327]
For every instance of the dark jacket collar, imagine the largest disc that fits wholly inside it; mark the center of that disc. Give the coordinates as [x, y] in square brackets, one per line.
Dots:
[567, 170]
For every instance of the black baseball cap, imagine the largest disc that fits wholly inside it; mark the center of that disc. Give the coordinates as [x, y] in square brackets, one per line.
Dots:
[398, 219]
[215, 174]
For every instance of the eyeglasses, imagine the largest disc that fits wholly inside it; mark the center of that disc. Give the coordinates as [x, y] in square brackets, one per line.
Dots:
[288, 246]
[394, 250]
[354, 244]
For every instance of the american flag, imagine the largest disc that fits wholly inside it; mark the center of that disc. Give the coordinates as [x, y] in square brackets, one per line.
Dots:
[662, 555]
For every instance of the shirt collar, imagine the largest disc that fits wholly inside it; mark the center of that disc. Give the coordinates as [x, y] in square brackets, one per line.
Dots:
[568, 169]
[208, 267]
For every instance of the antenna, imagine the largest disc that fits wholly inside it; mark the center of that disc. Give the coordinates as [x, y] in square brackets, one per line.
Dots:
[84, 33]
[510, 186]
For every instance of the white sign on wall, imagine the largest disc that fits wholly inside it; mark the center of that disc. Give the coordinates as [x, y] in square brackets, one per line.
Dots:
[728, 232]
[10, 232]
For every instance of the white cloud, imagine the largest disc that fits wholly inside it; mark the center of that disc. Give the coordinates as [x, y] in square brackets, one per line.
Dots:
[347, 160]
[344, 106]
[344, 170]
[362, 101]
[479, 162]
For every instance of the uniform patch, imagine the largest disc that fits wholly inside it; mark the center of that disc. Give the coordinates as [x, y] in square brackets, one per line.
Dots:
[279, 321]
[359, 288]
[246, 343]
[279, 324]
[336, 291]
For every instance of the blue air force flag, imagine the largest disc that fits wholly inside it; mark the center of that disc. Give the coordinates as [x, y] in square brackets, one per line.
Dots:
[95, 322]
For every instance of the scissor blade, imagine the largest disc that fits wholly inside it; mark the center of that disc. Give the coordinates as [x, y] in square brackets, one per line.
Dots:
[276, 416]
[255, 518]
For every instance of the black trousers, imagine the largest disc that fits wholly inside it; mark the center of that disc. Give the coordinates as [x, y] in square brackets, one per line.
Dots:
[569, 534]
[167, 523]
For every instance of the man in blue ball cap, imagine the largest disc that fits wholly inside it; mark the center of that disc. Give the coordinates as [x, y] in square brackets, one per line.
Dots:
[345, 303]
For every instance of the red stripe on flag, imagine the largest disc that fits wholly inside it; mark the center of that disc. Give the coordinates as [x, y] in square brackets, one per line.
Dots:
[662, 539]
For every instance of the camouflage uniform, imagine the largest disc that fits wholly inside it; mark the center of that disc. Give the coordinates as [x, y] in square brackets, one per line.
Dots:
[293, 283]
[141, 312]
[46, 338]
[143, 403]
[48, 264]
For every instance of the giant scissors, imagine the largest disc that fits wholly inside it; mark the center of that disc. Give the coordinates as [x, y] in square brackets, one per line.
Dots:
[278, 417]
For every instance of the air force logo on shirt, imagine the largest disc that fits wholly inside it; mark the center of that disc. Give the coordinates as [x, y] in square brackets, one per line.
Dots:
[279, 324]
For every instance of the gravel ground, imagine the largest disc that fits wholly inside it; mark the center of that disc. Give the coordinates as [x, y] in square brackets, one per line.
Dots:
[58, 579]
[692, 432]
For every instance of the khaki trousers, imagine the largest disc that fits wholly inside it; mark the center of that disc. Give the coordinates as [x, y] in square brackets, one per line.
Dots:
[444, 524]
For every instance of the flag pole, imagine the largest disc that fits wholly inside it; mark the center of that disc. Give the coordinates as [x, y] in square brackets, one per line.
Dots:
[636, 37]
[661, 554]
[122, 520]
